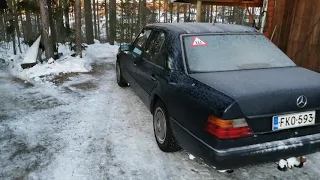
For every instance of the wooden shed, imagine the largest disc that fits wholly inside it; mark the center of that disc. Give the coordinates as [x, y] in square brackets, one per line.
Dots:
[294, 26]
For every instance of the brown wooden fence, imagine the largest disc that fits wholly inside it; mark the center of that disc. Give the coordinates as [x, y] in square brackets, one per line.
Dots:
[295, 29]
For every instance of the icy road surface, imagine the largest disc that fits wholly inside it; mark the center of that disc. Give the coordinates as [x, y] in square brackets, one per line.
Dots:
[89, 128]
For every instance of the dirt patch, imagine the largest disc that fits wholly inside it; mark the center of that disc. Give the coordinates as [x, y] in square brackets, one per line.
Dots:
[97, 70]
[100, 69]
[23, 149]
[88, 85]
[60, 79]
[26, 84]
[3, 117]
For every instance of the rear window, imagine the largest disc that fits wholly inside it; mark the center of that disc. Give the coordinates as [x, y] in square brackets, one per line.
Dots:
[209, 53]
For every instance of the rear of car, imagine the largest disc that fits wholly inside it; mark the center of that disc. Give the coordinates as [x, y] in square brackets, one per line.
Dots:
[273, 106]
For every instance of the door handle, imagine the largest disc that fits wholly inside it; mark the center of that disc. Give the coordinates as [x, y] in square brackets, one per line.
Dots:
[153, 78]
[134, 63]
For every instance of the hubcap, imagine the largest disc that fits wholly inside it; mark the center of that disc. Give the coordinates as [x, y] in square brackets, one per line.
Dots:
[118, 72]
[160, 126]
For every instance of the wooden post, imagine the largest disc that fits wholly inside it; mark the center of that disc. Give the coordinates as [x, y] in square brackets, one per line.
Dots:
[198, 18]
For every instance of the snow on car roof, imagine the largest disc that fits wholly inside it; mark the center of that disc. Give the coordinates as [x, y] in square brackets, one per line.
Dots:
[195, 28]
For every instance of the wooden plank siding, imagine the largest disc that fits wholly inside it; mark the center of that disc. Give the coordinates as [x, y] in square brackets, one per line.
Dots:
[270, 14]
[296, 27]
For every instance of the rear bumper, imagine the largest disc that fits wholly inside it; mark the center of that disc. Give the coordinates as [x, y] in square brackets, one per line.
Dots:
[247, 155]
[259, 153]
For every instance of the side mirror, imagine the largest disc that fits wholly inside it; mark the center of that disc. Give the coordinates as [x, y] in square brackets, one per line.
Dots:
[125, 47]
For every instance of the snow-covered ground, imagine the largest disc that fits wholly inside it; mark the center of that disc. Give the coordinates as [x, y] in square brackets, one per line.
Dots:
[86, 127]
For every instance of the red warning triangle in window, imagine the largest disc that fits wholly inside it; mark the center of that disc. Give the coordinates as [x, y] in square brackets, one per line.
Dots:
[198, 42]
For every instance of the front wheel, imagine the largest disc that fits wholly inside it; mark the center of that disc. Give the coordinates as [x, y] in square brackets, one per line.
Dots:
[162, 129]
[121, 82]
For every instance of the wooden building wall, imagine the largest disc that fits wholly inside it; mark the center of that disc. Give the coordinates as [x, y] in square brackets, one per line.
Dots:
[295, 25]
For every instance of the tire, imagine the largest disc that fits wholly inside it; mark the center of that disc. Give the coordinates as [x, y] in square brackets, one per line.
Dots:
[120, 80]
[162, 129]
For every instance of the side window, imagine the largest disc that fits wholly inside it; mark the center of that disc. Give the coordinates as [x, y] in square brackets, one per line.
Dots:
[155, 49]
[141, 41]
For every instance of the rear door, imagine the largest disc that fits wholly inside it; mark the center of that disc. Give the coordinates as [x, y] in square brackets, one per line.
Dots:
[151, 67]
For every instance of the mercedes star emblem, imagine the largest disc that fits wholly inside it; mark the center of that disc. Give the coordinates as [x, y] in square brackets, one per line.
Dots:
[302, 101]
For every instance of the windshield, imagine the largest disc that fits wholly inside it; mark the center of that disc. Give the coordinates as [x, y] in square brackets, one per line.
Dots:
[228, 52]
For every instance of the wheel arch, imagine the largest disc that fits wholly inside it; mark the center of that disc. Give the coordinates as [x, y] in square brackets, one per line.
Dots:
[154, 98]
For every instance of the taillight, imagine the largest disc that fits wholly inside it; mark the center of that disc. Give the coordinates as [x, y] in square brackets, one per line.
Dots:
[227, 129]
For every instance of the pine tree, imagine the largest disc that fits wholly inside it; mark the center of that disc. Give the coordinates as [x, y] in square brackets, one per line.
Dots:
[46, 30]
[88, 21]
[95, 19]
[78, 26]
[112, 21]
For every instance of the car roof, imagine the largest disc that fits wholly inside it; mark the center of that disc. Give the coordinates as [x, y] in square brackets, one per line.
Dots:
[199, 28]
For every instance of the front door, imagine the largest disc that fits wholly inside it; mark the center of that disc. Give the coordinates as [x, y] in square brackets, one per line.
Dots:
[134, 55]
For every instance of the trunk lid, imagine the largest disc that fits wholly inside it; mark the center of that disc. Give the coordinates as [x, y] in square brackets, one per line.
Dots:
[263, 93]
[266, 92]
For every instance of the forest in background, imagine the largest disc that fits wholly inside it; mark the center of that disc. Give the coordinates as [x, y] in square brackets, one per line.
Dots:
[114, 21]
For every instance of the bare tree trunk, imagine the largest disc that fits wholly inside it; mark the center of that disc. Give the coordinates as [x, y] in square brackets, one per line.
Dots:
[139, 14]
[16, 23]
[22, 25]
[13, 39]
[88, 21]
[2, 26]
[39, 23]
[121, 23]
[143, 13]
[46, 28]
[171, 11]
[7, 36]
[178, 12]
[189, 15]
[236, 12]
[211, 13]
[184, 13]
[222, 15]
[106, 14]
[66, 16]
[52, 26]
[78, 27]
[159, 10]
[132, 31]
[165, 7]
[11, 29]
[207, 13]
[28, 25]
[98, 19]
[34, 25]
[154, 19]
[112, 21]
[59, 22]
[215, 17]
[203, 13]
[95, 19]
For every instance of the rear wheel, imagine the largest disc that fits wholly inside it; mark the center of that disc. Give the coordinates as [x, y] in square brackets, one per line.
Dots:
[121, 82]
[162, 129]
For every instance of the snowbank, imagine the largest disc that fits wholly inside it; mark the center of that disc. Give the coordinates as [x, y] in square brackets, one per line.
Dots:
[66, 64]
[102, 52]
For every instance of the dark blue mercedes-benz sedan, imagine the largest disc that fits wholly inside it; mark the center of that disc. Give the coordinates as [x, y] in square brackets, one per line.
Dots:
[224, 93]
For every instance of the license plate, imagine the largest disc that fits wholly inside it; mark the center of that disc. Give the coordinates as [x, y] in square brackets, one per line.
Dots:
[293, 120]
